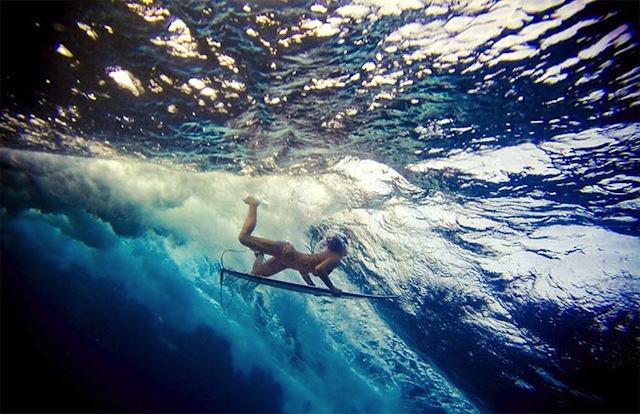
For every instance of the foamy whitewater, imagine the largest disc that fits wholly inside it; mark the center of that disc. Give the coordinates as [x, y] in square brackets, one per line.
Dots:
[481, 157]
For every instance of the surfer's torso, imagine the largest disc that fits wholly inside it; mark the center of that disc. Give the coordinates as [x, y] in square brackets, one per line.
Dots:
[303, 262]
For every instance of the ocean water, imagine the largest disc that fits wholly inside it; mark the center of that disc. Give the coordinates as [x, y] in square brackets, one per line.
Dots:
[481, 156]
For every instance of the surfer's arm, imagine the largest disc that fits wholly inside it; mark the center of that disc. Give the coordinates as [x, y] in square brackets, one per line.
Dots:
[307, 279]
[322, 271]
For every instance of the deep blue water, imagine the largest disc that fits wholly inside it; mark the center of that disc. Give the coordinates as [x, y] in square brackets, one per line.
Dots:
[481, 156]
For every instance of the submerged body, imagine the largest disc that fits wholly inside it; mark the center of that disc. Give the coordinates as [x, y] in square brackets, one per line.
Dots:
[285, 256]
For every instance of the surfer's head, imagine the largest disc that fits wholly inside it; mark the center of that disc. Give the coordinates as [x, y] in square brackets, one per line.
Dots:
[337, 243]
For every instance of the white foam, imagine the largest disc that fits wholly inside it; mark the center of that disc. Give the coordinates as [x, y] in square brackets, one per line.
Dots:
[161, 224]
[494, 165]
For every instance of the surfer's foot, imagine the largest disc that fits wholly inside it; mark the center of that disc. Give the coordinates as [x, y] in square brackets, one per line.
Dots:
[250, 200]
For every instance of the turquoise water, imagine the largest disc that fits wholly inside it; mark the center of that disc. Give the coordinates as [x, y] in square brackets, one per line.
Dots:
[481, 156]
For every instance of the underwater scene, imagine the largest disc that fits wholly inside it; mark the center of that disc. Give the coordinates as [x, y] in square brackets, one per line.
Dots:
[481, 158]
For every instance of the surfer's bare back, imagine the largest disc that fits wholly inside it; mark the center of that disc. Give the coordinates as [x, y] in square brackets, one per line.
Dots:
[285, 256]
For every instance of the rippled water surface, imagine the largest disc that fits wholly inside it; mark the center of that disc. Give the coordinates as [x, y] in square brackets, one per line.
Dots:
[481, 156]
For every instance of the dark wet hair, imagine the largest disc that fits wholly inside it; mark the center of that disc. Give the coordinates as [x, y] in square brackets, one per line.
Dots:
[337, 244]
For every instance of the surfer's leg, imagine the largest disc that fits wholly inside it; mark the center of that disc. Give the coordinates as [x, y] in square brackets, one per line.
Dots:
[258, 244]
[252, 216]
[267, 268]
[257, 264]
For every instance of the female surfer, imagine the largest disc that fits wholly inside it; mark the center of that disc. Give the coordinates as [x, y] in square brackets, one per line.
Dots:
[285, 256]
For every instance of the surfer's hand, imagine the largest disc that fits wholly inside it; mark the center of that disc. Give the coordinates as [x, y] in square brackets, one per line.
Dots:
[336, 292]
